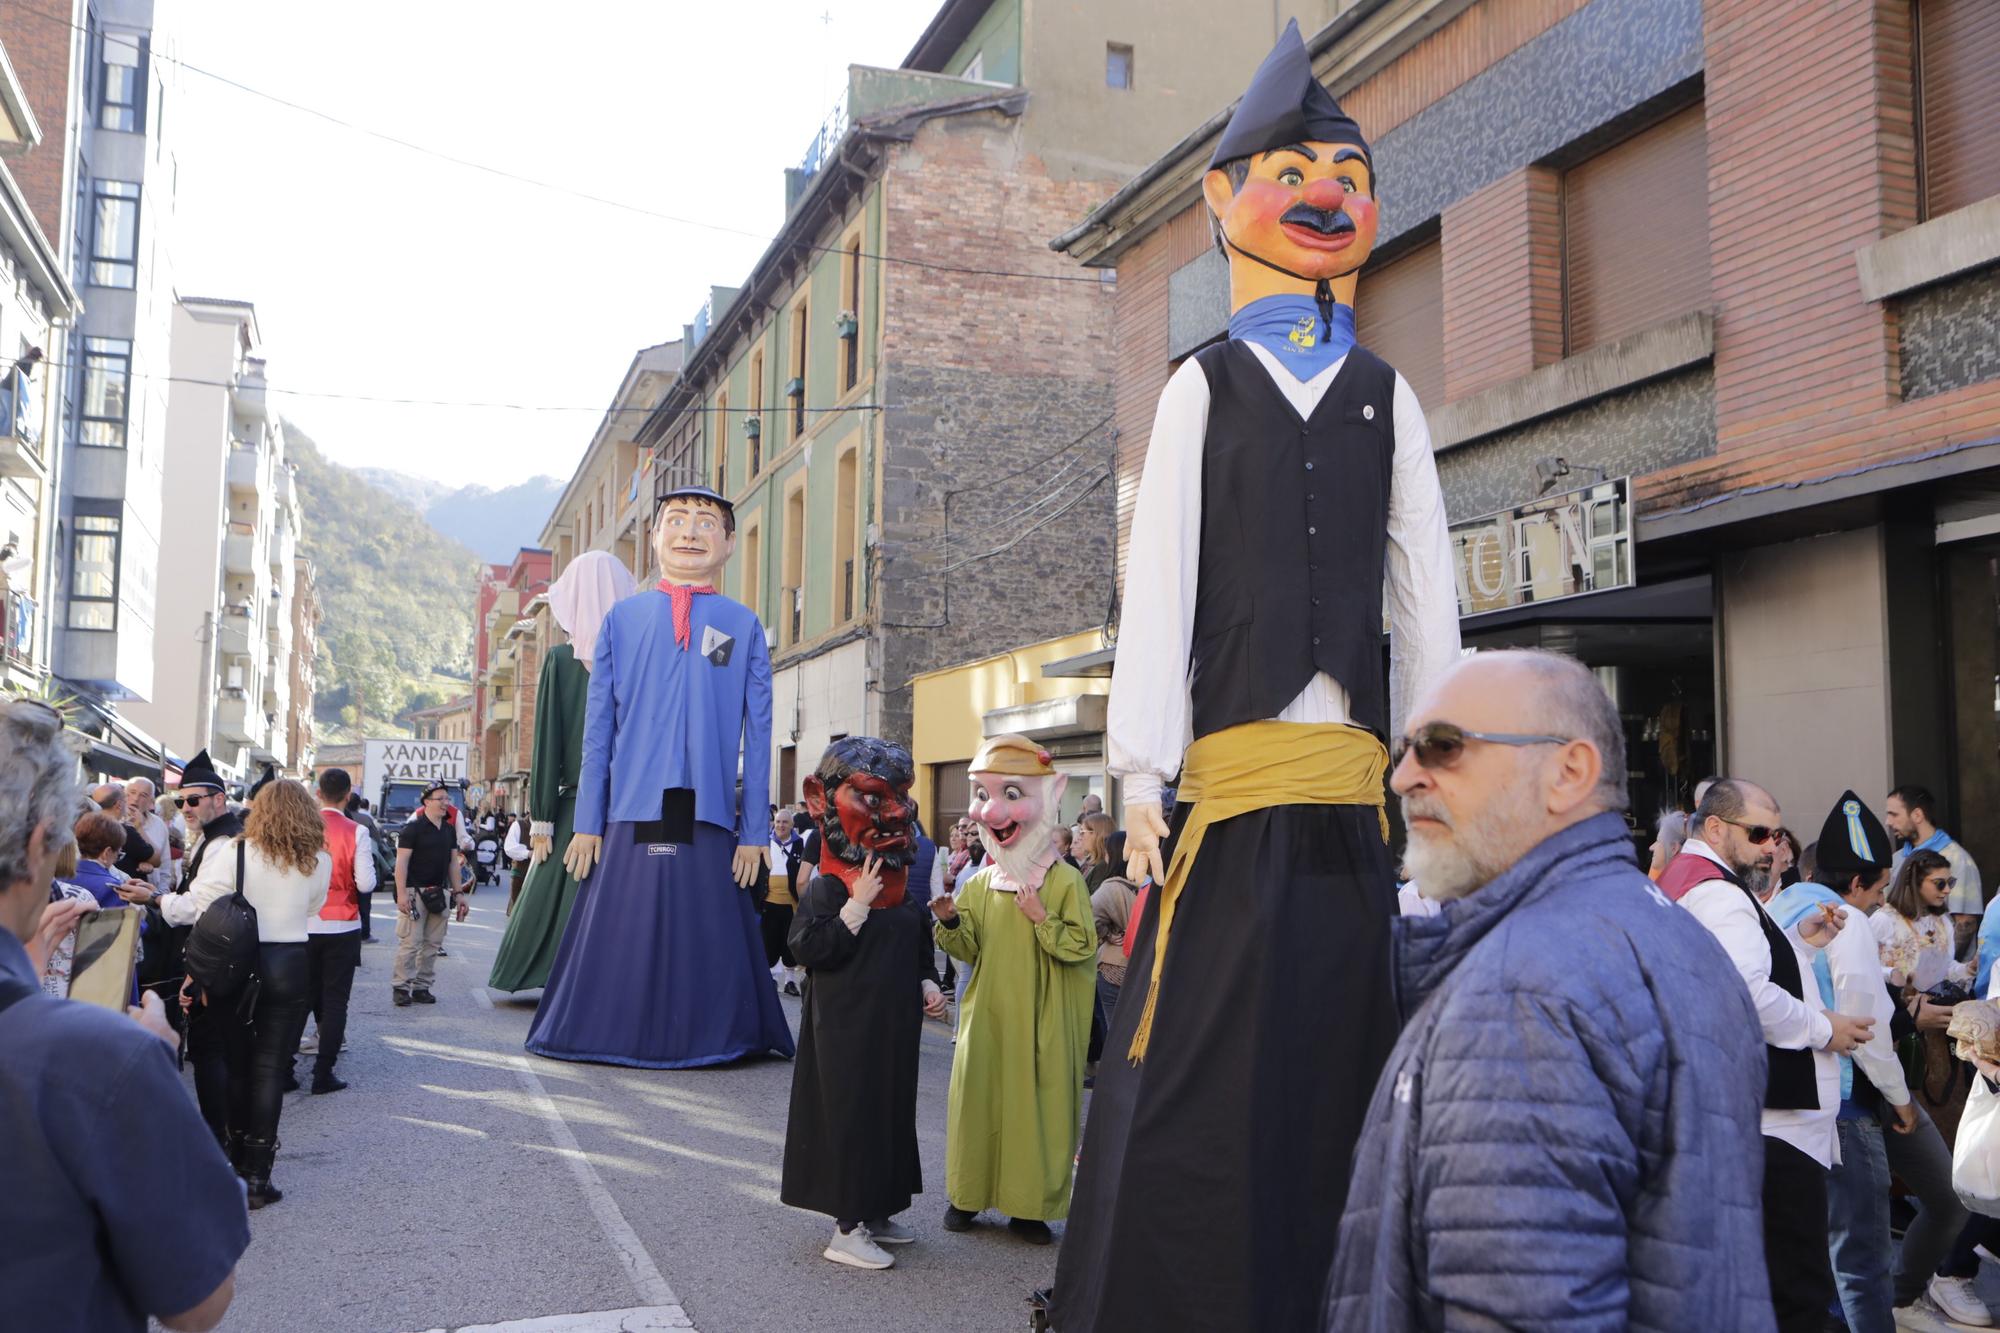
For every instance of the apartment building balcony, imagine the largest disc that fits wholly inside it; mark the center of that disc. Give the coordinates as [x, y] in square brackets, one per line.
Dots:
[239, 548]
[249, 389]
[871, 90]
[234, 717]
[283, 545]
[246, 466]
[21, 429]
[238, 630]
[500, 713]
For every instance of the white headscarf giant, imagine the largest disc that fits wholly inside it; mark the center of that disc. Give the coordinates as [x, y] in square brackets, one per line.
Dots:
[583, 596]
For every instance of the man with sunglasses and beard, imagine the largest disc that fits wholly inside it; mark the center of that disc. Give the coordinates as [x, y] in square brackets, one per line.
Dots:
[1720, 876]
[1565, 1134]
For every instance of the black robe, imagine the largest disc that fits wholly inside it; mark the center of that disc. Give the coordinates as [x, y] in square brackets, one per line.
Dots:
[851, 1141]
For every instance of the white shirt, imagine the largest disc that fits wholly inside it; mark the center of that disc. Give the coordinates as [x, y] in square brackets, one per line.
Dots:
[1150, 716]
[516, 849]
[780, 863]
[1789, 1022]
[1916, 953]
[161, 876]
[283, 897]
[364, 882]
[1411, 902]
[1858, 991]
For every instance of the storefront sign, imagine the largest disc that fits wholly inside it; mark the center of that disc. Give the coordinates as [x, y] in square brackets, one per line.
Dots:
[1555, 547]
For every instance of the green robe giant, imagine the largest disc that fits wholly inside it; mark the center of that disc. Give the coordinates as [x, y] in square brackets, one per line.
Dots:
[1023, 1029]
[534, 931]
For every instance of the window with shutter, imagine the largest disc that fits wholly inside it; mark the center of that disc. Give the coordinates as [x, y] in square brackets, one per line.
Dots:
[1958, 102]
[1399, 316]
[1635, 233]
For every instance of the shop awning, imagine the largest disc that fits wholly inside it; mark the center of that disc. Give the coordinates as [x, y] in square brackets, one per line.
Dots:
[1076, 715]
[1096, 662]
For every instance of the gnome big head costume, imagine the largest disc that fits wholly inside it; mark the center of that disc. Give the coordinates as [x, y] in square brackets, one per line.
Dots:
[1289, 494]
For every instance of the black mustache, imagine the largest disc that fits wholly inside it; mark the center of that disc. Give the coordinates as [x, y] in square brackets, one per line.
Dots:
[1326, 221]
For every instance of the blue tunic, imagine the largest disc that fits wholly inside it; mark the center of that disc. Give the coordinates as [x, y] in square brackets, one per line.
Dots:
[662, 965]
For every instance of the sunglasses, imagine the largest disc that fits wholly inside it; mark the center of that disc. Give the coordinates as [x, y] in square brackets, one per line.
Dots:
[1948, 882]
[1439, 744]
[1758, 834]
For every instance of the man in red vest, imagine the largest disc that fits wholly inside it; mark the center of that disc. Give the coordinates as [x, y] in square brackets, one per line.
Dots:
[333, 938]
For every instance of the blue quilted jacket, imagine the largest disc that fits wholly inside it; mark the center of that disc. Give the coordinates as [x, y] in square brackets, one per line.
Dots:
[1566, 1136]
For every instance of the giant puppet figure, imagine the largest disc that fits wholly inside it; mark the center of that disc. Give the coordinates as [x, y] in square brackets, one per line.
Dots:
[865, 942]
[589, 587]
[1288, 485]
[662, 966]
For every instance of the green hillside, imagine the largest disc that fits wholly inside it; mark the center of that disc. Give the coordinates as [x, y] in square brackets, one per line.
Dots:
[398, 599]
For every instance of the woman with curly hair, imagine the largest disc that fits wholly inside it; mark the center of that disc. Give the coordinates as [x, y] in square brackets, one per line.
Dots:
[284, 869]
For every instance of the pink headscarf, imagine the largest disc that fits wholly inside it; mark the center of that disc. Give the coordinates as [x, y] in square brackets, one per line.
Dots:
[583, 596]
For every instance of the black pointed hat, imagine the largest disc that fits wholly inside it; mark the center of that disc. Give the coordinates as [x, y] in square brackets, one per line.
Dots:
[200, 772]
[270, 776]
[1285, 104]
[1853, 842]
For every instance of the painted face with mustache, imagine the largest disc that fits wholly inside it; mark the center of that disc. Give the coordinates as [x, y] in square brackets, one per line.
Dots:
[1306, 207]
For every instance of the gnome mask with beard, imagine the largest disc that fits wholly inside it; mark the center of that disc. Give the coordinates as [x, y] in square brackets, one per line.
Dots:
[860, 797]
[1017, 802]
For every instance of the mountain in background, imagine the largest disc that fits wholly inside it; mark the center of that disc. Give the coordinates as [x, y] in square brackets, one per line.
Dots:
[398, 599]
[495, 524]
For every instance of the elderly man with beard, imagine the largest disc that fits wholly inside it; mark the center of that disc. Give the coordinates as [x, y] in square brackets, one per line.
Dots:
[1565, 1133]
[1024, 927]
[865, 942]
[1720, 877]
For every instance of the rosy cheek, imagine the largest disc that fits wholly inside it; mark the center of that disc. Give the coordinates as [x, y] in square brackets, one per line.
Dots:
[1362, 209]
[1263, 202]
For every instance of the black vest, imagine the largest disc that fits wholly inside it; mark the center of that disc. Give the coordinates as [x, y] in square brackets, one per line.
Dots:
[1294, 527]
[1794, 1081]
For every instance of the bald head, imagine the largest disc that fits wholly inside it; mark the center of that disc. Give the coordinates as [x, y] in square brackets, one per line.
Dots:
[1540, 748]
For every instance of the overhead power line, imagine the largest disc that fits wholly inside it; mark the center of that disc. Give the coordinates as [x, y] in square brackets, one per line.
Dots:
[586, 196]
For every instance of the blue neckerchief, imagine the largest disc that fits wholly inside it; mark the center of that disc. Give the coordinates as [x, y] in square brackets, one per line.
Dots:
[1290, 328]
[1787, 906]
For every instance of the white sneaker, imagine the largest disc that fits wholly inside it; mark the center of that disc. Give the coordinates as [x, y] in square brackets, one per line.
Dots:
[889, 1233]
[856, 1250]
[1960, 1303]
[309, 1044]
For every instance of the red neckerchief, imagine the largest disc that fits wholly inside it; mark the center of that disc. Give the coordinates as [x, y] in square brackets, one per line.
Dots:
[682, 596]
[894, 882]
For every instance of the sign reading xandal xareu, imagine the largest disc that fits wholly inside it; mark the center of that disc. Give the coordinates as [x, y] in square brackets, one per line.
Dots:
[1558, 546]
[413, 761]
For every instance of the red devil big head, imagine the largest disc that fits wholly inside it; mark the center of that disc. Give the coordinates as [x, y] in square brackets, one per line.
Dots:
[860, 797]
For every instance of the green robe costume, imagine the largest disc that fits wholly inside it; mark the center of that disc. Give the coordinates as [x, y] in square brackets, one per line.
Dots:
[1023, 1028]
[535, 930]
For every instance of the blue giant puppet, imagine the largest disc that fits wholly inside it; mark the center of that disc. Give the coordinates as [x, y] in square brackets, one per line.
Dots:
[662, 966]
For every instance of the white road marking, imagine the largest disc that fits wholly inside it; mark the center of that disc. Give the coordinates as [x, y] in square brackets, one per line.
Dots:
[661, 1308]
[646, 1319]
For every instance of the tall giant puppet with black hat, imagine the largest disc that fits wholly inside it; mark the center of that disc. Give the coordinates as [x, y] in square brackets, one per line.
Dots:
[662, 964]
[1288, 485]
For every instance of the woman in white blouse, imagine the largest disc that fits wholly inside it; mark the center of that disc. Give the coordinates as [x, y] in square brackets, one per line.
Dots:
[286, 870]
[1914, 930]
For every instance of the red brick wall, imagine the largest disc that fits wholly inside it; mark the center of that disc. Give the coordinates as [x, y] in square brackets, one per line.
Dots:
[39, 47]
[1810, 158]
[1502, 249]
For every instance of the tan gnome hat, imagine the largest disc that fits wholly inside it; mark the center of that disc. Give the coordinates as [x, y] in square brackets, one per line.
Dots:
[1013, 756]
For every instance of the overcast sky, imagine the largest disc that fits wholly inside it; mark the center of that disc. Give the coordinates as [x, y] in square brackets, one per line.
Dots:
[380, 271]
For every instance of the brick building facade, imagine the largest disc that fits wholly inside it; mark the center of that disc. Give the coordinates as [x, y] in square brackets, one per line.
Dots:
[1743, 252]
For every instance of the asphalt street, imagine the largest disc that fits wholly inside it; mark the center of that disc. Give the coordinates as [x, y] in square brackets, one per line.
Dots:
[460, 1183]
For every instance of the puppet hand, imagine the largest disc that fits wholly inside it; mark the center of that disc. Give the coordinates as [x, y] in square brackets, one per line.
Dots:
[934, 1006]
[868, 883]
[538, 850]
[1144, 828]
[1029, 900]
[749, 865]
[582, 855]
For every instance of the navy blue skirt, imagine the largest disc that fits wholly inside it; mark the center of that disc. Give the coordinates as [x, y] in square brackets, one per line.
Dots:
[662, 966]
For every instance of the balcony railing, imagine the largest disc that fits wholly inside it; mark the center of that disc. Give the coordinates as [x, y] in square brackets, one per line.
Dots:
[20, 426]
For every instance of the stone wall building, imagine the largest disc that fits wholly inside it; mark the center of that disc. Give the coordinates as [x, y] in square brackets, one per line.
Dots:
[1745, 254]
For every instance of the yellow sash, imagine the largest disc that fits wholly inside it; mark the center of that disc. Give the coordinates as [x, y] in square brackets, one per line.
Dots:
[1255, 766]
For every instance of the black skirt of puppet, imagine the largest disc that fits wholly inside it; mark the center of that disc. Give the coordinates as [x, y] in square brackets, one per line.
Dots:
[1213, 1173]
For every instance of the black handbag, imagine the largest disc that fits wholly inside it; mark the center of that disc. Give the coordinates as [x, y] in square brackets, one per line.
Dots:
[434, 900]
[221, 951]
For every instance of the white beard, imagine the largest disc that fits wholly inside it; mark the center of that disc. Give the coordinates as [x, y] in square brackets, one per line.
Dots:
[1033, 852]
[1475, 850]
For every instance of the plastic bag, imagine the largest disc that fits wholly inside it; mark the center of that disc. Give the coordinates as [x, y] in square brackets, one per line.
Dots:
[1975, 1157]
